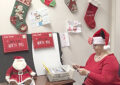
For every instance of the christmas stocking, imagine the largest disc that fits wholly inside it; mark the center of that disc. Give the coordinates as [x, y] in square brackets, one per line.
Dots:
[49, 2]
[18, 15]
[90, 13]
[71, 5]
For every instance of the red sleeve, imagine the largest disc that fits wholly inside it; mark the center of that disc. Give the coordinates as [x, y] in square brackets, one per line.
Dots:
[29, 69]
[89, 60]
[9, 71]
[109, 71]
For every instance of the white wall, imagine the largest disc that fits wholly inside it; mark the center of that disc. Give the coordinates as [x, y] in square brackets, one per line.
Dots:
[79, 50]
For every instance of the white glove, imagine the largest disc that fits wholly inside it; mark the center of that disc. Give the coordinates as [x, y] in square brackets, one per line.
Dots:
[32, 73]
[7, 78]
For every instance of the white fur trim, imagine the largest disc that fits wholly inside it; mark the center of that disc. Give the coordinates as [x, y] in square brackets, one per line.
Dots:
[7, 78]
[19, 59]
[22, 81]
[13, 80]
[106, 47]
[98, 40]
[95, 2]
[33, 82]
[32, 73]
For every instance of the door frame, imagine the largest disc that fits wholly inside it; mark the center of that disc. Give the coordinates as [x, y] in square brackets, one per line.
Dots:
[115, 29]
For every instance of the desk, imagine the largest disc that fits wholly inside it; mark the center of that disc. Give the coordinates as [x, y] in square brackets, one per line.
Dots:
[42, 80]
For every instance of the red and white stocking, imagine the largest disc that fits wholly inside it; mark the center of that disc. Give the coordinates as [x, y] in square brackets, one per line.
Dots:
[71, 5]
[90, 13]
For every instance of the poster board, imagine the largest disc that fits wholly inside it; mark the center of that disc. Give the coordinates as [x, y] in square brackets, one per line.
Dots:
[49, 56]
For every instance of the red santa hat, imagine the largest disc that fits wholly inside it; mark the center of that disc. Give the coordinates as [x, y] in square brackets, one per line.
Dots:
[101, 37]
[18, 57]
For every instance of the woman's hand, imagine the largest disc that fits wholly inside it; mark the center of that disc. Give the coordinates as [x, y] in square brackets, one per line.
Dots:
[83, 71]
[76, 66]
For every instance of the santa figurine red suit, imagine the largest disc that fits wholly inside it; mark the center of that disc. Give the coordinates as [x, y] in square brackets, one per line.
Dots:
[19, 72]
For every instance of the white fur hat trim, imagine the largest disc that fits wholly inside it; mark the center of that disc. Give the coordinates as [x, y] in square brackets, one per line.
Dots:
[98, 40]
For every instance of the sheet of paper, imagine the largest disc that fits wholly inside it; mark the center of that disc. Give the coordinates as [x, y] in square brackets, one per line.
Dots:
[74, 26]
[39, 17]
[64, 38]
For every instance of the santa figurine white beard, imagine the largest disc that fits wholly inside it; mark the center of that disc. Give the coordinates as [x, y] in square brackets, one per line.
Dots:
[19, 64]
[19, 72]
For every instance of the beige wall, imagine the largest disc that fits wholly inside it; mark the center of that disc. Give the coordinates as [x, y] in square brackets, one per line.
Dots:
[79, 50]
[116, 28]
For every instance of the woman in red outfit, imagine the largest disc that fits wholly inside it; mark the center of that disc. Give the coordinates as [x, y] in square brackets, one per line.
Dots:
[102, 66]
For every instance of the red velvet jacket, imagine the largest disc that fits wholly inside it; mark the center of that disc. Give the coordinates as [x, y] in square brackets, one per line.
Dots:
[14, 76]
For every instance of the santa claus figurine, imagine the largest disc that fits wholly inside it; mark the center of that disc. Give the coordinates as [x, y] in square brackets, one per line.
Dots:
[19, 72]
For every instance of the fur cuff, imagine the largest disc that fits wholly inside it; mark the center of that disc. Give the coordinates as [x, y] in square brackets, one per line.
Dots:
[32, 73]
[7, 78]
[95, 2]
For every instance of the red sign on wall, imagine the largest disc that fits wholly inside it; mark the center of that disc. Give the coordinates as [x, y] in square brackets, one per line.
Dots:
[15, 42]
[42, 40]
